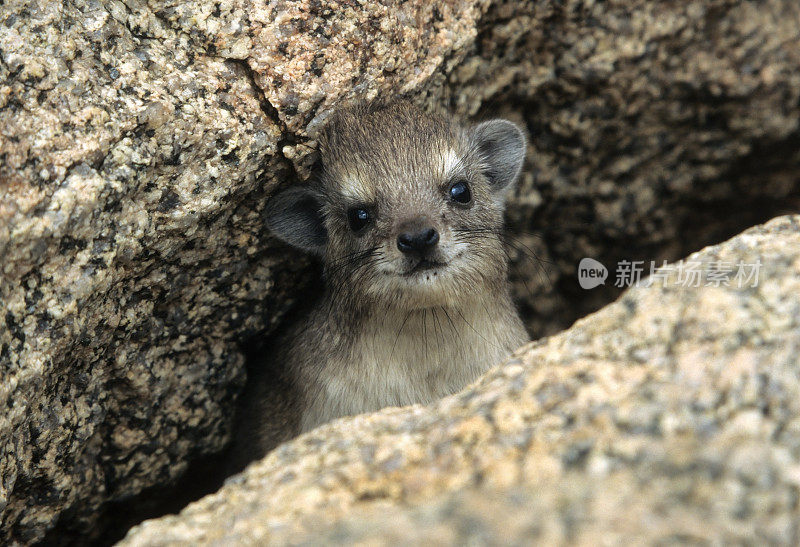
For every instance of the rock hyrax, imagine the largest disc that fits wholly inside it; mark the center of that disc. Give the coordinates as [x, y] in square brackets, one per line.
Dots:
[407, 216]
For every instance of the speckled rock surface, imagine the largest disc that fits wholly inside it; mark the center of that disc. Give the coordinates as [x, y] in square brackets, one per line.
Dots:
[133, 252]
[136, 158]
[671, 415]
[655, 129]
[139, 141]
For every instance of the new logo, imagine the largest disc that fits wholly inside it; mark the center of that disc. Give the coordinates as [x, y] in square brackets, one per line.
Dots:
[591, 273]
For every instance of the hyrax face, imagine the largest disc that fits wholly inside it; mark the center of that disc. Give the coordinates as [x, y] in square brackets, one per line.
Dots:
[408, 208]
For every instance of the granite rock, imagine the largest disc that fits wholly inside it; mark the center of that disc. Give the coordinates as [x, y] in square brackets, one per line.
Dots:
[655, 129]
[672, 415]
[133, 173]
[139, 141]
[139, 145]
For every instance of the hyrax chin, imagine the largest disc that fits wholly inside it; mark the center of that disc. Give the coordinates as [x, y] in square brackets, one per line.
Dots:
[406, 214]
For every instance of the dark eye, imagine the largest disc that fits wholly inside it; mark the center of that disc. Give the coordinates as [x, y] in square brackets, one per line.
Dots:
[358, 217]
[460, 193]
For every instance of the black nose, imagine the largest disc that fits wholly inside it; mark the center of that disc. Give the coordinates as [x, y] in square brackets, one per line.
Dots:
[417, 241]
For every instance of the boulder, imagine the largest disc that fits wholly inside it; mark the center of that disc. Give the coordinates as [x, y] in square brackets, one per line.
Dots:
[655, 129]
[671, 415]
[139, 142]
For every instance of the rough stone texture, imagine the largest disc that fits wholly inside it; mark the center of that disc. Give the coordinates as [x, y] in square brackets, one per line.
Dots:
[139, 141]
[655, 127]
[132, 255]
[672, 415]
[137, 153]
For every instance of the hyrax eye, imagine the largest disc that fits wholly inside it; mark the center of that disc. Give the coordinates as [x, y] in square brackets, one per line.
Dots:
[460, 192]
[358, 218]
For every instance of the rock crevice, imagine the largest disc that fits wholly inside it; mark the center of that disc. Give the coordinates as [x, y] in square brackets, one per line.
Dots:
[139, 142]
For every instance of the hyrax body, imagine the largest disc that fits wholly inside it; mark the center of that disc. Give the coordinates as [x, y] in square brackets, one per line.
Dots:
[407, 215]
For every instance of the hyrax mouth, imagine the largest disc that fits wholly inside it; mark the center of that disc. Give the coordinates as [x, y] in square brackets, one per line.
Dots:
[425, 265]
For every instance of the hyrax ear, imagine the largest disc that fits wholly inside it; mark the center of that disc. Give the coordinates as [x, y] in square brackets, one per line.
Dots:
[500, 145]
[295, 216]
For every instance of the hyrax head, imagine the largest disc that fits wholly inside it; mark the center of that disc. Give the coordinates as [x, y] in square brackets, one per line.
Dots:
[408, 207]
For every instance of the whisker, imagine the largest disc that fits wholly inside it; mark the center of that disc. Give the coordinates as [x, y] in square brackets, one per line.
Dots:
[438, 327]
[425, 331]
[509, 241]
[398, 334]
[473, 329]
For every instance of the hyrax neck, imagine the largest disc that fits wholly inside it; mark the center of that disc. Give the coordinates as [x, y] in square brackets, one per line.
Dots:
[396, 357]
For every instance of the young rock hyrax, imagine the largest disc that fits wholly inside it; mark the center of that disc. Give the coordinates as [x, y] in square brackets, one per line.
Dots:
[407, 216]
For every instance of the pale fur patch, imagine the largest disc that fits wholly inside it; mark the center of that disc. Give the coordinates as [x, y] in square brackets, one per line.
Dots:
[450, 161]
[355, 189]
